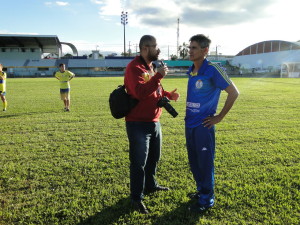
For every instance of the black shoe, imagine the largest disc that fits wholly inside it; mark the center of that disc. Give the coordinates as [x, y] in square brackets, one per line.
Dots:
[139, 206]
[157, 188]
[194, 195]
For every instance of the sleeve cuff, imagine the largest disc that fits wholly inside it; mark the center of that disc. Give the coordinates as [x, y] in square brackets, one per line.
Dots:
[158, 75]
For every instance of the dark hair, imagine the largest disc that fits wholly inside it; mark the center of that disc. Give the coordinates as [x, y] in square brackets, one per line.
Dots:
[201, 39]
[146, 40]
[61, 64]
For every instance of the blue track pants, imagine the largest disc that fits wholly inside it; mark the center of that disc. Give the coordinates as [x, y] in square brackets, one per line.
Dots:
[200, 143]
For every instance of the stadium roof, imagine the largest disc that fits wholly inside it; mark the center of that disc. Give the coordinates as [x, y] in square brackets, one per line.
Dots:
[47, 43]
[269, 46]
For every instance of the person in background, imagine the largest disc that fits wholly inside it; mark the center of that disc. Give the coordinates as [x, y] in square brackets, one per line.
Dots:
[142, 81]
[3, 87]
[64, 76]
[205, 83]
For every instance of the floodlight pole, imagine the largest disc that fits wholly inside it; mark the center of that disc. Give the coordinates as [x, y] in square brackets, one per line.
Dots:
[124, 21]
[177, 52]
[217, 57]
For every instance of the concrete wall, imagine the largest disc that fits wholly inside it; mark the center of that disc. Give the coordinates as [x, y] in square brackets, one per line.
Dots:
[20, 53]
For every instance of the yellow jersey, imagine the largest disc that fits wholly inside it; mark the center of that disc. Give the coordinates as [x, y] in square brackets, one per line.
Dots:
[2, 81]
[64, 78]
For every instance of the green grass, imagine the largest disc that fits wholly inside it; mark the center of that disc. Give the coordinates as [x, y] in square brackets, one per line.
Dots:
[73, 168]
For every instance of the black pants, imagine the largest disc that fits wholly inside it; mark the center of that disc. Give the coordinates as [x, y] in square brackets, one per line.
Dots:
[145, 140]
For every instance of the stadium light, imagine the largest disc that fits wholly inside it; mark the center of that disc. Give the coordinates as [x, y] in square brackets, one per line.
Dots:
[217, 51]
[124, 21]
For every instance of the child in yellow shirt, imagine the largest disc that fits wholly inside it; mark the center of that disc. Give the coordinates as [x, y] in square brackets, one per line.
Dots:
[3, 87]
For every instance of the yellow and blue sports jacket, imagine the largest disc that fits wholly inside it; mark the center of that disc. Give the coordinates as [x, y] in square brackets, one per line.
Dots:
[203, 92]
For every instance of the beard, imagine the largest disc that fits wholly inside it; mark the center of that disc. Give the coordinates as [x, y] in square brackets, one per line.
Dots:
[153, 56]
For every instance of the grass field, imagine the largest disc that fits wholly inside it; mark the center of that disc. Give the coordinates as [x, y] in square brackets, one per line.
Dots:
[72, 167]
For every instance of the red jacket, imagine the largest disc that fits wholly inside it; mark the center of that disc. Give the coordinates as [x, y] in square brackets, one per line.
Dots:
[141, 83]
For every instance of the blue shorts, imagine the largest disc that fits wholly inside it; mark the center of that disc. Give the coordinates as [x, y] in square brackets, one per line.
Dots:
[2, 93]
[62, 91]
[65, 94]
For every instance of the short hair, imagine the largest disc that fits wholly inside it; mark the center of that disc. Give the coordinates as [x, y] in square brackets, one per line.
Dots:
[202, 40]
[61, 64]
[146, 40]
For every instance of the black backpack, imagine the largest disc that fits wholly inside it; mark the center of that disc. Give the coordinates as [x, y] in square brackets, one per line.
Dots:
[120, 102]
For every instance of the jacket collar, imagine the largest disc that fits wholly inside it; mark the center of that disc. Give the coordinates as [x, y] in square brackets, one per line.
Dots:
[202, 68]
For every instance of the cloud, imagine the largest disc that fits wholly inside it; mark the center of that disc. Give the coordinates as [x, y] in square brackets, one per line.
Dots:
[58, 3]
[62, 3]
[97, 2]
[108, 8]
[224, 12]
[203, 13]
[16, 33]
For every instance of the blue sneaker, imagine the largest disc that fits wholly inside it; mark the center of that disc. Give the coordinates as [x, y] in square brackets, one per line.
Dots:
[206, 200]
[204, 203]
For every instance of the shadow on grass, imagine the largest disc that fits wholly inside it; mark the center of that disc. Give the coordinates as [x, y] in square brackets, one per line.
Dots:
[11, 115]
[180, 215]
[109, 215]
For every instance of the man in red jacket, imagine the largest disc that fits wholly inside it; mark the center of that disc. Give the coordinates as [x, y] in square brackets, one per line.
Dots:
[142, 82]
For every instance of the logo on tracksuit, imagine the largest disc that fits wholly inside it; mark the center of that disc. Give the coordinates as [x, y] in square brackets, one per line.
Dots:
[199, 84]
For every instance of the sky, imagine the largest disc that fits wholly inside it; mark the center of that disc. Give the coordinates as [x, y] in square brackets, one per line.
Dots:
[232, 25]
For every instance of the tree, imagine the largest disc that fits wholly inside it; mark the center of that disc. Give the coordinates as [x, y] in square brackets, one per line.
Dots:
[126, 54]
[173, 57]
[183, 50]
[67, 56]
[100, 55]
[112, 54]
